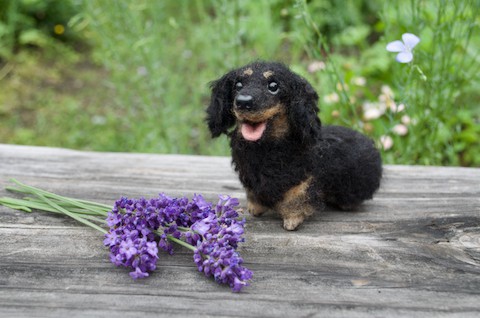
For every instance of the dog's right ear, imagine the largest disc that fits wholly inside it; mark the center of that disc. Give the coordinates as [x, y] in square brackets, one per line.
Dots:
[304, 111]
[220, 111]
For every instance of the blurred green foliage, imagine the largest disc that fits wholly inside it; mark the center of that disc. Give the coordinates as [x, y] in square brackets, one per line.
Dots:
[37, 23]
[133, 75]
[418, 104]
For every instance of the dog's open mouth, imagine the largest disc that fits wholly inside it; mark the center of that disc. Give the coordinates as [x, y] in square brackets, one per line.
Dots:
[253, 131]
[254, 124]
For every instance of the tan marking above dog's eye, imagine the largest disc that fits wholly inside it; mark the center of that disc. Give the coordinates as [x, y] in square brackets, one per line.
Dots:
[248, 72]
[267, 74]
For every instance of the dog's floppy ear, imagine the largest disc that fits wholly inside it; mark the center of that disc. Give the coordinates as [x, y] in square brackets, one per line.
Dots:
[303, 113]
[219, 113]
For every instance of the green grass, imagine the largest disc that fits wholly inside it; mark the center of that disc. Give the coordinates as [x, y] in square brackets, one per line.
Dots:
[142, 86]
[56, 103]
[164, 62]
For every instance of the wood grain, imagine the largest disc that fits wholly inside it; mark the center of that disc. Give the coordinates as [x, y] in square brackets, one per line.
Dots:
[413, 251]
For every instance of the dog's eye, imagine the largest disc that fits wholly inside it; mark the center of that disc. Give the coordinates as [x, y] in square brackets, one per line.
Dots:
[239, 85]
[273, 87]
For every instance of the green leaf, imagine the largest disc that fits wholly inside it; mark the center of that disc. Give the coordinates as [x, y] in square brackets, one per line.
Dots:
[33, 37]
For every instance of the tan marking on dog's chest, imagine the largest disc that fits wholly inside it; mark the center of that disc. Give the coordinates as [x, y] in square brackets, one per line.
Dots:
[267, 74]
[248, 72]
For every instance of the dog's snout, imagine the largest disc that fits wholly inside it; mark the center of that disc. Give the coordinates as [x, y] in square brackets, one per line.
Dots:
[244, 101]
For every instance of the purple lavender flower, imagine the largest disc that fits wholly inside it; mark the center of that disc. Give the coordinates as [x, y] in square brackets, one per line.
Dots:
[200, 202]
[127, 248]
[138, 228]
[138, 273]
[216, 254]
[223, 263]
[111, 239]
[203, 226]
[152, 249]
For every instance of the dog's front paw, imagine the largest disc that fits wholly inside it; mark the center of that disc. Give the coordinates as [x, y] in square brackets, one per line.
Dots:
[293, 221]
[255, 209]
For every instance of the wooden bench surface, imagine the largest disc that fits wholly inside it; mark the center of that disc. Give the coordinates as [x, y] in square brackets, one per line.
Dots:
[413, 251]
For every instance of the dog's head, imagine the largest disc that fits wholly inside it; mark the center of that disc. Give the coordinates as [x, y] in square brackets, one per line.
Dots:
[265, 100]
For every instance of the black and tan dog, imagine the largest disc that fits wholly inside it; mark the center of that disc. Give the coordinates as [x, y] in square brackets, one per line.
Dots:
[285, 159]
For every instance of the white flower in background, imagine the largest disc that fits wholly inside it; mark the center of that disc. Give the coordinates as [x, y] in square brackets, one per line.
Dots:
[373, 110]
[405, 119]
[316, 66]
[387, 98]
[394, 107]
[332, 98]
[386, 141]
[404, 47]
[400, 129]
[359, 81]
[387, 91]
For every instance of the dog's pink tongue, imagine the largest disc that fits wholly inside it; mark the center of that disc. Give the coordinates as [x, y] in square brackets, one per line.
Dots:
[253, 132]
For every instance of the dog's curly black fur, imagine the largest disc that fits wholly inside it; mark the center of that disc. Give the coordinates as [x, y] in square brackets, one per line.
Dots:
[285, 159]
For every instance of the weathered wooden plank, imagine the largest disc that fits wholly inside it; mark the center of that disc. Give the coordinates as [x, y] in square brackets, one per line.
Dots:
[412, 251]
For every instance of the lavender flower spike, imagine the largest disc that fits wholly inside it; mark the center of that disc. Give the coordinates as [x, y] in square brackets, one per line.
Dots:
[138, 228]
[404, 47]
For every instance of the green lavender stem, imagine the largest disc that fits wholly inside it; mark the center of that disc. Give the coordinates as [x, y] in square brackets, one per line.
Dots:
[180, 242]
[81, 210]
[100, 209]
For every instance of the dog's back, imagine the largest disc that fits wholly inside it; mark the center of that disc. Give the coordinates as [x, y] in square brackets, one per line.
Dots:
[349, 167]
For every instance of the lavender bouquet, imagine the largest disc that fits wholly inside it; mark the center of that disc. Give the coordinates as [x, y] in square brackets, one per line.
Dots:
[137, 228]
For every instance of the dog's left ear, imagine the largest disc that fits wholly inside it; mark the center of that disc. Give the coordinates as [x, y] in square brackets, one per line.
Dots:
[219, 113]
[304, 111]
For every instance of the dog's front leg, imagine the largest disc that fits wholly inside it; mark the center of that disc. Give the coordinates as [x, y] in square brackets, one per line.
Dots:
[295, 206]
[253, 207]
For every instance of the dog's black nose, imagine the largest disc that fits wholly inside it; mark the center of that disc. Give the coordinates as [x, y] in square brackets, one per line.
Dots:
[244, 101]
